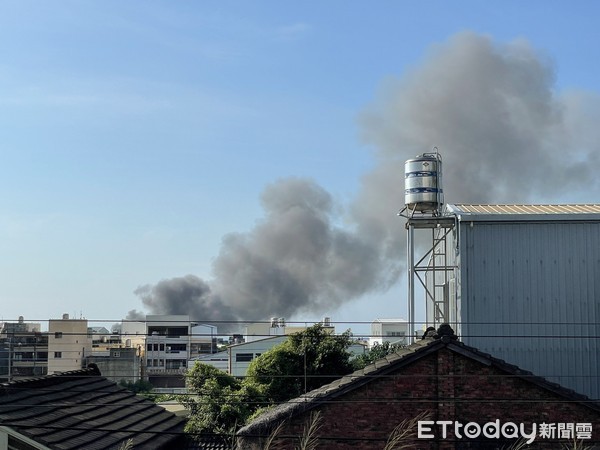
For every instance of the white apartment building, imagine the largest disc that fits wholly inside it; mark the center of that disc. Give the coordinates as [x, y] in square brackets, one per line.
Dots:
[388, 330]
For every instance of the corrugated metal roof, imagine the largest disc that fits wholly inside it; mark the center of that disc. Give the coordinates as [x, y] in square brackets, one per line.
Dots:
[525, 209]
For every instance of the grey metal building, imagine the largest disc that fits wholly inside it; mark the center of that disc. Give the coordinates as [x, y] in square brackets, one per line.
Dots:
[526, 287]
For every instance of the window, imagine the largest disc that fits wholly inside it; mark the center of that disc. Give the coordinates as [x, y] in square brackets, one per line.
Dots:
[116, 354]
[149, 347]
[243, 357]
[58, 335]
[58, 354]
[162, 347]
[396, 333]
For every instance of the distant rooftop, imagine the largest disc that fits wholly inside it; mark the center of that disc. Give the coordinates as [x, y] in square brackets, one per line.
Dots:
[524, 209]
[390, 320]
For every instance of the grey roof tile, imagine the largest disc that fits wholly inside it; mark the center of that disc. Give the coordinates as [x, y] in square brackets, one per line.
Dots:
[83, 410]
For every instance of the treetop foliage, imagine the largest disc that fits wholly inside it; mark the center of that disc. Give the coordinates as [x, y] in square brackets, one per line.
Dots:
[305, 361]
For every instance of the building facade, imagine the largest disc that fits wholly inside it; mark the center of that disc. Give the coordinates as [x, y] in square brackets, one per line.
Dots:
[527, 287]
[118, 363]
[23, 350]
[388, 330]
[241, 355]
[69, 344]
[172, 340]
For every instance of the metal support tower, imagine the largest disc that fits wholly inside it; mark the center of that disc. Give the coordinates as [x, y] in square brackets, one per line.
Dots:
[434, 269]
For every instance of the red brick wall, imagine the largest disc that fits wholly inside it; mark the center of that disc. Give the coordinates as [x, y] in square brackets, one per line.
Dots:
[448, 386]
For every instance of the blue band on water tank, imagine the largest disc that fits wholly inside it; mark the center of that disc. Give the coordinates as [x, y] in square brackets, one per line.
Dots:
[420, 173]
[421, 190]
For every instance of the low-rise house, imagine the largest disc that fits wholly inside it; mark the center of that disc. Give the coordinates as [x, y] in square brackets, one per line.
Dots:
[83, 410]
[451, 391]
[241, 355]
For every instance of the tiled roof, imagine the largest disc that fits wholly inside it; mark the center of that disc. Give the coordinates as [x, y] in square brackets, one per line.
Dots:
[525, 209]
[83, 410]
[391, 363]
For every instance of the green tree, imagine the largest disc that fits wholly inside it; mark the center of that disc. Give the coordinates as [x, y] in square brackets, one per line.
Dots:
[377, 352]
[305, 361]
[219, 402]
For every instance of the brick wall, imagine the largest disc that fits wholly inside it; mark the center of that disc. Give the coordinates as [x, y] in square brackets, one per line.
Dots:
[447, 386]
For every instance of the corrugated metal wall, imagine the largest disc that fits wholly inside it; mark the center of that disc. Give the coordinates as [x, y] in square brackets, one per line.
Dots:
[530, 294]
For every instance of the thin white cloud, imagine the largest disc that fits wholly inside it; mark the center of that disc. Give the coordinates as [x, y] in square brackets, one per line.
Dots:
[293, 31]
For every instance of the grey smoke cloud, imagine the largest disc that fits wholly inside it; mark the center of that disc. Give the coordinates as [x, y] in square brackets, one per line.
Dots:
[505, 135]
[294, 260]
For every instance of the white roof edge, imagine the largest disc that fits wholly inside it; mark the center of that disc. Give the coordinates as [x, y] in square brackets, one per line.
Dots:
[390, 320]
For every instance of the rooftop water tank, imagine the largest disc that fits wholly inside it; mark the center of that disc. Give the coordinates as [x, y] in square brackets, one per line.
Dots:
[423, 183]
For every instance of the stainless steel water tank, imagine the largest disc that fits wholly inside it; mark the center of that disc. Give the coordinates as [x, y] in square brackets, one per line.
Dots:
[423, 183]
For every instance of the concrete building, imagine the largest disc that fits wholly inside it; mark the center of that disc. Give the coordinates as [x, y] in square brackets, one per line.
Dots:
[118, 363]
[133, 334]
[388, 330]
[241, 355]
[171, 340]
[219, 360]
[23, 350]
[69, 344]
[277, 326]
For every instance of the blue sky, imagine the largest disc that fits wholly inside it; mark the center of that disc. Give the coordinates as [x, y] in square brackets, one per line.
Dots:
[135, 135]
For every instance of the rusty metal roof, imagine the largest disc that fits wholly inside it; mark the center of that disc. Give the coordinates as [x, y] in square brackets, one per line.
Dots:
[525, 209]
